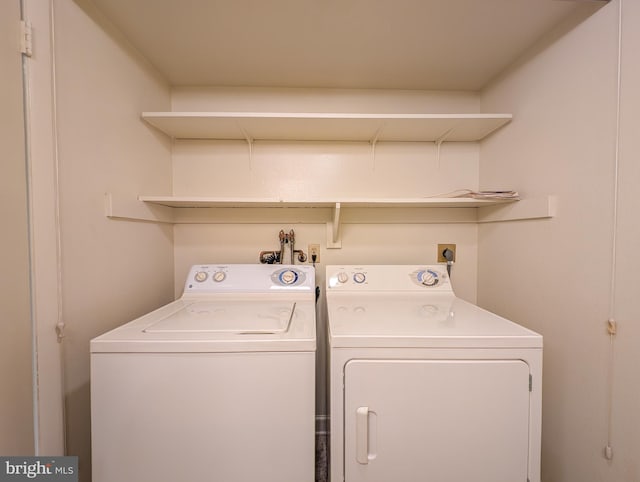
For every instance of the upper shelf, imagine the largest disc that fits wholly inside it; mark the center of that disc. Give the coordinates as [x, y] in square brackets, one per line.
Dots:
[326, 126]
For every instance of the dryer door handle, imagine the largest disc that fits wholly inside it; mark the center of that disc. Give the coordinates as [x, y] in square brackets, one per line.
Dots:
[362, 435]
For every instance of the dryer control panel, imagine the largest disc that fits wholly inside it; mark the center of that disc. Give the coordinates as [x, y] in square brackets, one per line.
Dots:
[358, 278]
[249, 278]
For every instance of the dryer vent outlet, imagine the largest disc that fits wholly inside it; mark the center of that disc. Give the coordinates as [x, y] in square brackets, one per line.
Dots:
[442, 248]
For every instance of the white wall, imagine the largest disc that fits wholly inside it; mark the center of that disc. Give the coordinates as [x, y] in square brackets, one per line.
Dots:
[112, 271]
[554, 275]
[16, 401]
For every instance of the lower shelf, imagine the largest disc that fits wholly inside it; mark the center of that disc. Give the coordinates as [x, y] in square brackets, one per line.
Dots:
[211, 202]
[206, 210]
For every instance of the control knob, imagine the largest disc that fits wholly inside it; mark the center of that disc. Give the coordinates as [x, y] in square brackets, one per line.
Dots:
[288, 277]
[219, 276]
[359, 278]
[429, 278]
[343, 277]
[200, 276]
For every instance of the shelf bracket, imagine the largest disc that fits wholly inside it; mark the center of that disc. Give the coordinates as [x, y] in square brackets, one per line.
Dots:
[373, 143]
[334, 240]
[438, 143]
[536, 208]
[132, 209]
[249, 140]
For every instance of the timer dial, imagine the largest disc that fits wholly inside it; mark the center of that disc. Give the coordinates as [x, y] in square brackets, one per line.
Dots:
[429, 278]
[288, 277]
[359, 278]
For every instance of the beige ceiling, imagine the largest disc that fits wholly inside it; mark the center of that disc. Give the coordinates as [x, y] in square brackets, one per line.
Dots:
[400, 44]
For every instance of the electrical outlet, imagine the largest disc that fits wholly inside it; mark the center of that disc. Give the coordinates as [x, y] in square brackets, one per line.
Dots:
[441, 248]
[314, 250]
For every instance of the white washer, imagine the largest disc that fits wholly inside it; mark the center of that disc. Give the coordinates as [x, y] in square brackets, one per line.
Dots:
[425, 386]
[217, 385]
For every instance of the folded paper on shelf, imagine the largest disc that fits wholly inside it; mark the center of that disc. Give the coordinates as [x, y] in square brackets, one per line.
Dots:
[468, 193]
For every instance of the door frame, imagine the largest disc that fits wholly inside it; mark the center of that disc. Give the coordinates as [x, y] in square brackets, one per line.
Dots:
[42, 162]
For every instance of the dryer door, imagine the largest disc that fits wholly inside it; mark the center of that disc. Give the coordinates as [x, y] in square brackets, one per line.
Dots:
[440, 420]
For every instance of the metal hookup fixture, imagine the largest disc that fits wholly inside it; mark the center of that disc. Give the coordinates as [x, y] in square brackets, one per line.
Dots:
[287, 240]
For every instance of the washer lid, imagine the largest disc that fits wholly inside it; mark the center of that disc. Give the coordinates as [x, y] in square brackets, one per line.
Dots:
[410, 320]
[227, 317]
[224, 324]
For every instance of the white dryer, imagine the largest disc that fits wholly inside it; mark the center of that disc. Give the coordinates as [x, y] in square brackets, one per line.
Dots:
[217, 385]
[425, 386]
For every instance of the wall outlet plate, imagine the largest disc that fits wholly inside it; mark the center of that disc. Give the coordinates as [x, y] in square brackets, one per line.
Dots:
[441, 248]
[314, 249]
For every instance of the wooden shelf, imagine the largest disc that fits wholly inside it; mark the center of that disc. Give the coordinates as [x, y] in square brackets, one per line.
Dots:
[333, 213]
[252, 126]
[213, 202]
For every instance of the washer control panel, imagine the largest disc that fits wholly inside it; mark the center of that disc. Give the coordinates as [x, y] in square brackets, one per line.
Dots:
[388, 278]
[245, 278]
